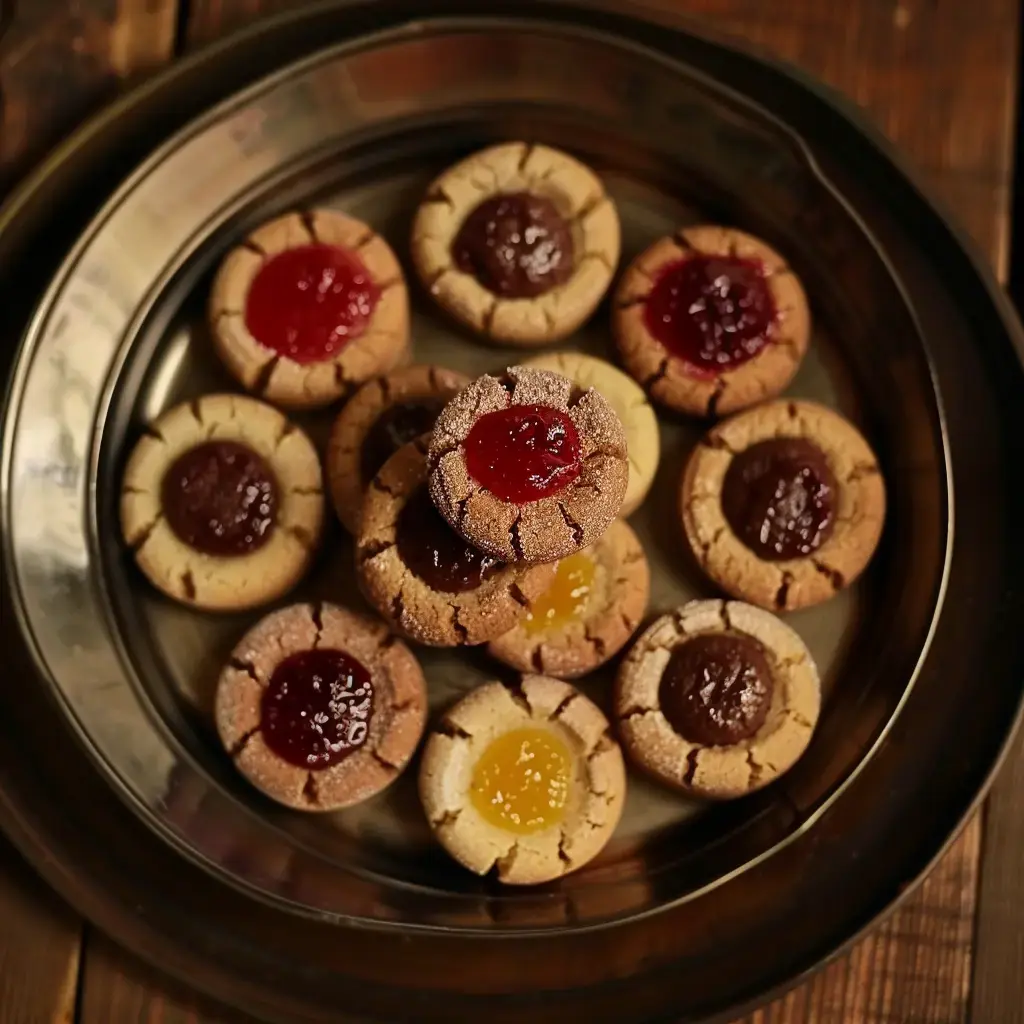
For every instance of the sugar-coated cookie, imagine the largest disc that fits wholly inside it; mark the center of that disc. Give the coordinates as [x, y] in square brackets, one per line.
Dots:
[308, 307]
[320, 708]
[526, 782]
[222, 503]
[517, 242]
[717, 699]
[711, 320]
[783, 504]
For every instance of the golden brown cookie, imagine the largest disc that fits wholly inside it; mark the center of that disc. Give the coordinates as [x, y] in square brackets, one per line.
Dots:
[526, 782]
[710, 321]
[717, 698]
[588, 613]
[222, 503]
[381, 416]
[517, 242]
[320, 708]
[309, 307]
[422, 576]
[783, 505]
[630, 403]
[527, 467]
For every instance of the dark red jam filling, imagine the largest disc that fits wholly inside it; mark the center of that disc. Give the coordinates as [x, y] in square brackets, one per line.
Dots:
[435, 552]
[220, 498]
[716, 689]
[307, 303]
[517, 246]
[712, 312]
[524, 453]
[779, 497]
[395, 427]
[317, 708]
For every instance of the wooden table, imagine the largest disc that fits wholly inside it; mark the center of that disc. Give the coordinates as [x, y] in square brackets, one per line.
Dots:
[940, 78]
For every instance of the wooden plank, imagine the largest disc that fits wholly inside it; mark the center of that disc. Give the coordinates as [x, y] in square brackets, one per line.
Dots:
[60, 61]
[39, 947]
[998, 992]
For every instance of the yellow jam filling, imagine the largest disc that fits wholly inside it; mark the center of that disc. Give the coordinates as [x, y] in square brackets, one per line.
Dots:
[566, 599]
[521, 782]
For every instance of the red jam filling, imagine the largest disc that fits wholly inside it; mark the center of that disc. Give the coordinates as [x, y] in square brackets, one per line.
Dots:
[220, 498]
[524, 453]
[307, 303]
[713, 312]
[317, 708]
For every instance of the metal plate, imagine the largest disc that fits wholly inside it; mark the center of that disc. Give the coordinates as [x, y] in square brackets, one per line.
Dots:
[117, 337]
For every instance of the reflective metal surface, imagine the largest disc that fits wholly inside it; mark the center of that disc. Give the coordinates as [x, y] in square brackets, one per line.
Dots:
[119, 336]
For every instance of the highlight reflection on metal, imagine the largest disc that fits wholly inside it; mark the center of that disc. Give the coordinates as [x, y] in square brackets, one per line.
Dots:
[119, 336]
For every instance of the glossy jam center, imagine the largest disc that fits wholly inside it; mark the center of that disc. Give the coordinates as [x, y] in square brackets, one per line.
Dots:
[517, 245]
[524, 452]
[306, 303]
[713, 312]
[396, 426]
[716, 689]
[521, 782]
[220, 498]
[566, 599]
[317, 708]
[779, 497]
[435, 552]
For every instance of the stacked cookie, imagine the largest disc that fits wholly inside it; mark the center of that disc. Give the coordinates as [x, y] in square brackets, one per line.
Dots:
[490, 511]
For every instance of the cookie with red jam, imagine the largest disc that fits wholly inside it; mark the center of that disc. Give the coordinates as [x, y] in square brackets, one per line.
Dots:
[222, 503]
[588, 612]
[717, 699]
[528, 467]
[711, 320]
[320, 708]
[425, 579]
[783, 505]
[308, 307]
[517, 242]
[382, 416]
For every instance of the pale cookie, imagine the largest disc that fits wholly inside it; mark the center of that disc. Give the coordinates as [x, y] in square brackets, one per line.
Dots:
[422, 576]
[630, 403]
[783, 505]
[309, 307]
[588, 613]
[517, 242]
[320, 708]
[710, 321]
[527, 467]
[381, 416]
[222, 503]
[526, 825]
[717, 699]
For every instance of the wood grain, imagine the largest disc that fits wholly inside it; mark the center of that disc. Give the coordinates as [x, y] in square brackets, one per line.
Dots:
[39, 948]
[60, 61]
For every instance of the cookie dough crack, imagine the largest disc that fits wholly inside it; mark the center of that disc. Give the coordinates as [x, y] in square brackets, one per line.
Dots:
[517, 695]
[488, 318]
[563, 706]
[518, 596]
[302, 535]
[255, 247]
[378, 484]
[446, 819]
[862, 470]
[138, 541]
[715, 397]
[595, 641]
[387, 765]
[782, 594]
[461, 631]
[563, 854]
[311, 791]
[588, 207]
[241, 665]
[150, 431]
[242, 742]
[657, 376]
[316, 613]
[196, 409]
[454, 732]
[684, 243]
[637, 300]
[577, 530]
[438, 196]
[799, 718]
[287, 428]
[528, 151]
[397, 606]
[600, 256]
[504, 863]
[515, 539]
[691, 765]
[261, 382]
[188, 584]
[834, 576]
[537, 659]
[373, 549]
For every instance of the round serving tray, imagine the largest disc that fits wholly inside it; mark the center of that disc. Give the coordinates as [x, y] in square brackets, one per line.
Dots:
[150, 833]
